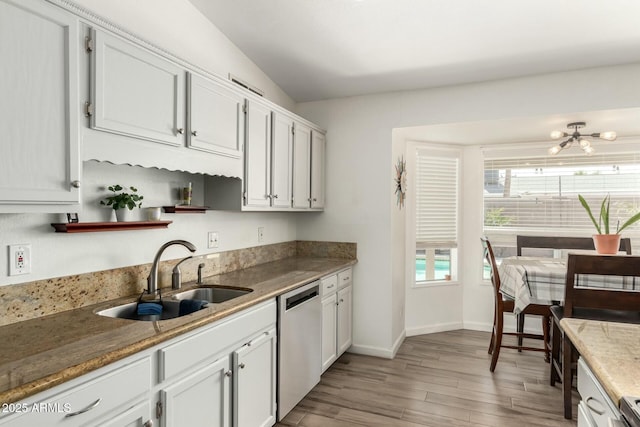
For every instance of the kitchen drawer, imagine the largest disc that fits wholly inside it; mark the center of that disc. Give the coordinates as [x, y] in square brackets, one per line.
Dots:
[596, 402]
[215, 341]
[344, 277]
[96, 398]
[328, 285]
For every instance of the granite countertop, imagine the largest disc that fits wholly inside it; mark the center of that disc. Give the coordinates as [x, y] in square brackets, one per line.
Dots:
[612, 351]
[40, 353]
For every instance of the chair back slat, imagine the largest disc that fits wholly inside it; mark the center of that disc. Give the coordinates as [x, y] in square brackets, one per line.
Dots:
[599, 298]
[554, 242]
[495, 276]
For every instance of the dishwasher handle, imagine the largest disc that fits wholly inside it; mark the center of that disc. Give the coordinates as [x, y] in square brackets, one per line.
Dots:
[302, 297]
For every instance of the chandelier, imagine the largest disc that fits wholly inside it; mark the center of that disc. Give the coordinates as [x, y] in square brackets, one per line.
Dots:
[576, 136]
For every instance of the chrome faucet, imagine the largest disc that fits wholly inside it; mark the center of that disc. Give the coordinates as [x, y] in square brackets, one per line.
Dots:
[152, 280]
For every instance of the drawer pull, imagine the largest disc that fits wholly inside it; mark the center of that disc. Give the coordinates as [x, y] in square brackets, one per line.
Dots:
[329, 287]
[344, 279]
[597, 411]
[87, 409]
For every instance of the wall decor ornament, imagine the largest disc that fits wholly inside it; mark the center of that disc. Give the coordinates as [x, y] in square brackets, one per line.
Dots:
[401, 181]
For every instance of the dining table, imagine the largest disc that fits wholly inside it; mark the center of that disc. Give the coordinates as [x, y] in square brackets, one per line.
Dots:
[541, 280]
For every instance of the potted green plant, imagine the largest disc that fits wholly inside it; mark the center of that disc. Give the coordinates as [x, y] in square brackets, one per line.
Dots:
[606, 242]
[122, 202]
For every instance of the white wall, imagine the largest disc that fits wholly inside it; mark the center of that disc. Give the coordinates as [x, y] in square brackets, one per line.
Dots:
[179, 28]
[359, 154]
[398, 246]
[59, 254]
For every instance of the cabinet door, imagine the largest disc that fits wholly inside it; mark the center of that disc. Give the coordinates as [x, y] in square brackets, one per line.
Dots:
[136, 92]
[344, 319]
[257, 155]
[255, 382]
[200, 399]
[216, 118]
[281, 160]
[329, 330]
[317, 169]
[301, 166]
[39, 51]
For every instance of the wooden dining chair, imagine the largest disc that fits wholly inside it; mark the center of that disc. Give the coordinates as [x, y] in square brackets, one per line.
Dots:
[556, 242]
[504, 305]
[615, 305]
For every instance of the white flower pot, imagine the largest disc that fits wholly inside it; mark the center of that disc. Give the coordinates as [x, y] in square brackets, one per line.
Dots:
[124, 215]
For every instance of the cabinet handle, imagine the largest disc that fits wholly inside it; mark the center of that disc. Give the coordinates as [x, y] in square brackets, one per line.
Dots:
[194, 132]
[266, 196]
[597, 411]
[149, 423]
[180, 131]
[82, 411]
[241, 366]
[275, 196]
[228, 373]
[344, 279]
[341, 300]
[315, 200]
[329, 287]
[75, 184]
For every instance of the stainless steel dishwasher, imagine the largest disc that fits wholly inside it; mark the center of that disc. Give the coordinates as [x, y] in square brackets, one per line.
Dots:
[299, 345]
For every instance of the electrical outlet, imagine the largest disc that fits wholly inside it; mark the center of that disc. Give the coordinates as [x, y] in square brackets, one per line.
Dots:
[213, 240]
[260, 234]
[19, 259]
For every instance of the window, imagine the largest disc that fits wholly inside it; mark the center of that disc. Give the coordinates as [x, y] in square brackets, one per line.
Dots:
[539, 195]
[436, 213]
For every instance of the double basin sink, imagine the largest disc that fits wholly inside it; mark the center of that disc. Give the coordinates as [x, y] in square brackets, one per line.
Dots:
[171, 306]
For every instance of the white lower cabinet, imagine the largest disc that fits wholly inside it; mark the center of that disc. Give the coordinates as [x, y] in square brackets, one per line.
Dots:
[221, 375]
[595, 408]
[99, 398]
[199, 399]
[337, 315]
[136, 416]
[255, 382]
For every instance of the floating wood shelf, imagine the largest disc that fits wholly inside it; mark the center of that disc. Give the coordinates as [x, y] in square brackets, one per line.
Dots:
[88, 227]
[185, 209]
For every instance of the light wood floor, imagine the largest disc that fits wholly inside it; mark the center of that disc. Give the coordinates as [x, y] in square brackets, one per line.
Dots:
[440, 379]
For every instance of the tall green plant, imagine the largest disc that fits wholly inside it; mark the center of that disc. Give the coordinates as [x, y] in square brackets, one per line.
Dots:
[603, 218]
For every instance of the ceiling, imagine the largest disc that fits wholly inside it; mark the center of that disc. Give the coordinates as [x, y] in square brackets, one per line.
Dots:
[321, 49]
[625, 122]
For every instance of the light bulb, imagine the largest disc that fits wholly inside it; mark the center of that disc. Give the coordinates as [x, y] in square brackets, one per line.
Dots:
[584, 143]
[609, 136]
[555, 150]
[588, 150]
[557, 134]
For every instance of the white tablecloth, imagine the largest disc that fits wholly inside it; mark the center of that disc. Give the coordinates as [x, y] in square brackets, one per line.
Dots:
[541, 280]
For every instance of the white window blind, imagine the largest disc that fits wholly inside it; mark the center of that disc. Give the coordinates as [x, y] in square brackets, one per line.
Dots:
[542, 192]
[436, 199]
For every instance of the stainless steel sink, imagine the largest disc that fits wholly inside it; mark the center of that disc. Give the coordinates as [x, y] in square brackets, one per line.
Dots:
[170, 310]
[213, 294]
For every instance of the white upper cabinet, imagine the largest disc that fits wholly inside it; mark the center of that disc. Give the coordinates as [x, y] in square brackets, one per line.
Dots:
[301, 165]
[216, 119]
[317, 169]
[136, 92]
[39, 106]
[281, 160]
[257, 190]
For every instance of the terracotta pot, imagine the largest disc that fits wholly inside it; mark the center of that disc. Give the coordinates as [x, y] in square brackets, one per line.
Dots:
[606, 244]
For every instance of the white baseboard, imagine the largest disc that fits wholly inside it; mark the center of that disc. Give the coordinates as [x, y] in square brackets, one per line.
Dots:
[430, 329]
[366, 350]
[509, 327]
[478, 326]
[398, 343]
